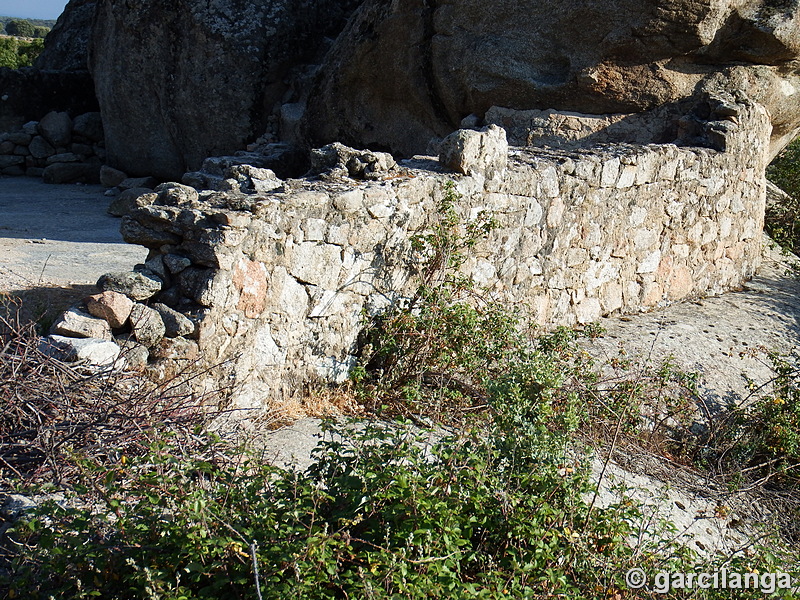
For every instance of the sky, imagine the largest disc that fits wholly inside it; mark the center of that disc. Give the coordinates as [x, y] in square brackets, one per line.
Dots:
[32, 9]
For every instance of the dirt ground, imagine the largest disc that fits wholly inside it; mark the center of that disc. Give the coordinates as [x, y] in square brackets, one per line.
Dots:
[56, 241]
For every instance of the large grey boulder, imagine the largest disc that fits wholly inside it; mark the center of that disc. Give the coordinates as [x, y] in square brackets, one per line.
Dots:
[180, 81]
[56, 128]
[406, 71]
[67, 45]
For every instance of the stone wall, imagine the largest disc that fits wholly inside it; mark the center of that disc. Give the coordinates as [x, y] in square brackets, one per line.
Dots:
[57, 148]
[276, 276]
[28, 94]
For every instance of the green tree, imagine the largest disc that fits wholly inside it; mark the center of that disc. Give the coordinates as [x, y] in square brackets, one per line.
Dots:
[8, 53]
[40, 31]
[15, 53]
[20, 28]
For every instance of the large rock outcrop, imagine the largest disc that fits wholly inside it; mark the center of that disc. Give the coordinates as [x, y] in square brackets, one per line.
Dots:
[405, 71]
[67, 45]
[180, 81]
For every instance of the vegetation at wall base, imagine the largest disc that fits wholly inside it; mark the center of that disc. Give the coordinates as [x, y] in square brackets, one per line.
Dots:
[782, 223]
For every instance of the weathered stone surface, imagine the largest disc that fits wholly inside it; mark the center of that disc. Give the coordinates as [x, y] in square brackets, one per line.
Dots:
[147, 325]
[472, 152]
[150, 61]
[138, 182]
[250, 280]
[176, 263]
[130, 200]
[71, 172]
[91, 351]
[89, 126]
[135, 233]
[176, 194]
[135, 354]
[176, 349]
[254, 179]
[78, 324]
[56, 128]
[11, 161]
[112, 307]
[404, 72]
[339, 160]
[176, 324]
[137, 285]
[40, 148]
[64, 157]
[67, 45]
[111, 177]
[20, 138]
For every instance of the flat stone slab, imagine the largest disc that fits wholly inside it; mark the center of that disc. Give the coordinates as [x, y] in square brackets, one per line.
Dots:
[57, 235]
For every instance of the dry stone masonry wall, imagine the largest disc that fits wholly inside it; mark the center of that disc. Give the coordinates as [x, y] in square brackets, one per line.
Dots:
[57, 148]
[271, 279]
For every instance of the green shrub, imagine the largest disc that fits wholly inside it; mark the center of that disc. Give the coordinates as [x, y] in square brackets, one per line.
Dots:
[40, 31]
[15, 53]
[782, 223]
[20, 28]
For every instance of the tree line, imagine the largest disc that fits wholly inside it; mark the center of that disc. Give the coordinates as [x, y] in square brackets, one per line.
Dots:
[27, 28]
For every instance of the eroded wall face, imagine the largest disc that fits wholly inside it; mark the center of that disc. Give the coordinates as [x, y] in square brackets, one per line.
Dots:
[280, 282]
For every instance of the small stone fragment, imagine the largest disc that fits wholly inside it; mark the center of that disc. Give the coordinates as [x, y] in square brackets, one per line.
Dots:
[137, 285]
[176, 263]
[129, 200]
[56, 128]
[135, 355]
[111, 177]
[176, 194]
[148, 327]
[471, 152]
[113, 307]
[71, 172]
[40, 148]
[93, 351]
[176, 349]
[89, 125]
[135, 233]
[176, 324]
[78, 324]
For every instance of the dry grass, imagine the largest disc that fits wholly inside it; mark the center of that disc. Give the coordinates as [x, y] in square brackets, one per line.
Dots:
[320, 403]
[52, 412]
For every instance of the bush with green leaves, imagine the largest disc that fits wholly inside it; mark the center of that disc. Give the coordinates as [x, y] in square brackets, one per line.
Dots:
[20, 28]
[500, 512]
[761, 436]
[782, 222]
[16, 53]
